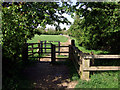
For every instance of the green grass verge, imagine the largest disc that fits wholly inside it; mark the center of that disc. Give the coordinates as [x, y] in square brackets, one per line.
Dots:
[101, 80]
[48, 38]
[88, 51]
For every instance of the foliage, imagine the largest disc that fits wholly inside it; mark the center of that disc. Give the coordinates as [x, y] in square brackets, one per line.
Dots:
[97, 25]
[19, 20]
[84, 50]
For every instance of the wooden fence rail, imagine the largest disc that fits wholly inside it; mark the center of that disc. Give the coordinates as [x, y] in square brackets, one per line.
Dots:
[45, 42]
[31, 49]
[82, 61]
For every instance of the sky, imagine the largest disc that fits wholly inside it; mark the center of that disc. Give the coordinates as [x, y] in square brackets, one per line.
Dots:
[67, 16]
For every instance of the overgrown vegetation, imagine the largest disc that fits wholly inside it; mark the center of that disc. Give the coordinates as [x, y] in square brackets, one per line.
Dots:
[96, 26]
[85, 50]
[19, 23]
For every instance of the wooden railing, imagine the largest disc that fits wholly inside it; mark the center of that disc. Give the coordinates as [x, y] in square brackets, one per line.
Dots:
[45, 42]
[38, 48]
[82, 61]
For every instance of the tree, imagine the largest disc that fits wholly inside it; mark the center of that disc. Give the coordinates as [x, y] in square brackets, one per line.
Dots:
[100, 25]
[19, 23]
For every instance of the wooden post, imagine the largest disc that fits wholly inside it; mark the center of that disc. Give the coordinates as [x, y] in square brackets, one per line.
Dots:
[32, 51]
[85, 64]
[59, 48]
[93, 61]
[39, 51]
[38, 41]
[53, 53]
[45, 46]
[41, 47]
[25, 52]
[70, 52]
[73, 42]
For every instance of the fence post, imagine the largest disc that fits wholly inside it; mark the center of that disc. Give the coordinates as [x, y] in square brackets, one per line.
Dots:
[41, 47]
[53, 53]
[45, 46]
[73, 42]
[39, 51]
[85, 64]
[25, 52]
[32, 51]
[70, 52]
[59, 48]
[93, 61]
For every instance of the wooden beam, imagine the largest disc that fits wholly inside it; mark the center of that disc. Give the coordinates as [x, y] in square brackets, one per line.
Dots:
[39, 57]
[102, 68]
[85, 73]
[53, 54]
[61, 58]
[37, 43]
[62, 46]
[102, 56]
[61, 52]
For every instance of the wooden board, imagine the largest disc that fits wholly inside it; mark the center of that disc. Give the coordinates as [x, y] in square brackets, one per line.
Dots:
[102, 68]
[102, 56]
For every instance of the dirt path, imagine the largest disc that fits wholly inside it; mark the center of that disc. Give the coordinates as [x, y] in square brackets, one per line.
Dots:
[46, 75]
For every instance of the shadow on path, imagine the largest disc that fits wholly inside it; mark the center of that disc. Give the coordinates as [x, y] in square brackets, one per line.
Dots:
[46, 75]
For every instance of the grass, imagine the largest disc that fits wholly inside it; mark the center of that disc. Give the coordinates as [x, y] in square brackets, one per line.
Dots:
[101, 80]
[62, 56]
[84, 50]
[48, 38]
